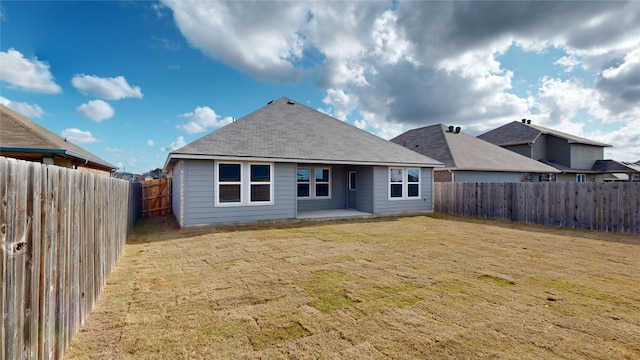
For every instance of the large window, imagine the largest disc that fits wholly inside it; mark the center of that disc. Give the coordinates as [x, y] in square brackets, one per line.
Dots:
[229, 183]
[244, 184]
[260, 182]
[314, 182]
[404, 183]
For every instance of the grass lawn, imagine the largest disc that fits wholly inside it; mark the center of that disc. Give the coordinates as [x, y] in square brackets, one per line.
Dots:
[426, 287]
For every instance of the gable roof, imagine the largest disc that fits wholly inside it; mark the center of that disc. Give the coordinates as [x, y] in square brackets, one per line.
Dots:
[284, 130]
[518, 133]
[612, 166]
[19, 134]
[459, 151]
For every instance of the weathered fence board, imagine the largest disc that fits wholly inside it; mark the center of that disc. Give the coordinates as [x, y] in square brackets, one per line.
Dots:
[597, 206]
[62, 232]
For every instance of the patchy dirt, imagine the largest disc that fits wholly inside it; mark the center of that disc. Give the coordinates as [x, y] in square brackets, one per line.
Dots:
[390, 288]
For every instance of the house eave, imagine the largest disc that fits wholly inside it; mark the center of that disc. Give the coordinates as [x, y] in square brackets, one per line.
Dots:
[537, 171]
[64, 152]
[172, 157]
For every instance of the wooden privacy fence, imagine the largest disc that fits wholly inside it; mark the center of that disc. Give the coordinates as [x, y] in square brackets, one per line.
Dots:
[62, 232]
[156, 197]
[597, 206]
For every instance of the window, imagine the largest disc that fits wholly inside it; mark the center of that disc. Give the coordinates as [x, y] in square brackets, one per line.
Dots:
[581, 178]
[304, 179]
[352, 180]
[243, 184]
[314, 182]
[404, 183]
[322, 182]
[260, 182]
[229, 184]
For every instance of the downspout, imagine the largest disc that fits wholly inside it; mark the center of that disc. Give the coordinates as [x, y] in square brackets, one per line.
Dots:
[453, 175]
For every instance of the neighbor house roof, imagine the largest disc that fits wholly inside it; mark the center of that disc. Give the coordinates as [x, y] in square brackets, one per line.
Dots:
[459, 151]
[612, 166]
[517, 133]
[21, 135]
[284, 130]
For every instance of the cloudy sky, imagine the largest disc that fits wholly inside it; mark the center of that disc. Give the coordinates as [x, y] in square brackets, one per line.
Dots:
[132, 80]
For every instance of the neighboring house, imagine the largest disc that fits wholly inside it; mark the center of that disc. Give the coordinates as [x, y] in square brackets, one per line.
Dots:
[286, 160]
[22, 138]
[618, 170]
[572, 155]
[469, 159]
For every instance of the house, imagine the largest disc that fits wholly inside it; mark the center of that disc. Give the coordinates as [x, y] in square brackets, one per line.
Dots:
[572, 155]
[288, 161]
[469, 159]
[23, 139]
[618, 170]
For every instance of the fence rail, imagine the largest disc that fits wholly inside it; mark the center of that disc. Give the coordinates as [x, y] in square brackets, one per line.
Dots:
[598, 206]
[62, 232]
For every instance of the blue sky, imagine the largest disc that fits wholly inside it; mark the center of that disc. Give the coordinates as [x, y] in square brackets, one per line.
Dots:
[131, 80]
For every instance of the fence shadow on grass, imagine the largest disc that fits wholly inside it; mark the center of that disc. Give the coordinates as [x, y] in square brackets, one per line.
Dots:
[561, 231]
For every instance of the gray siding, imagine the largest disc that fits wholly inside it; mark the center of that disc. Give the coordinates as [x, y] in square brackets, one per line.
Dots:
[524, 150]
[199, 197]
[539, 148]
[558, 150]
[584, 156]
[364, 188]
[338, 193]
[176, 190]
[571, 177]
[486, 176]
[382, 204]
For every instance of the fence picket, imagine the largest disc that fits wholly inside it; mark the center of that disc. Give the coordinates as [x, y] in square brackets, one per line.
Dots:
[596, 206]
[62, 233]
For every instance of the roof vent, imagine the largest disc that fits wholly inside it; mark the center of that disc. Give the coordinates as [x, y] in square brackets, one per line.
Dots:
[524, 121]
[270, 102]
[529, 122]
[290, 102]
[450, 128]
[458, 129]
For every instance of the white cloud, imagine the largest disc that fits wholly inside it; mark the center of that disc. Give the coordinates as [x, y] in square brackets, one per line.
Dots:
[341, 104]
[29, 75]
[78, 136]
[413, 63]
[569, 62]
[26, 109]
[202, 119]
[150, 143]
[177, 144]
[261, 38]
[96, 110]
[113, 88]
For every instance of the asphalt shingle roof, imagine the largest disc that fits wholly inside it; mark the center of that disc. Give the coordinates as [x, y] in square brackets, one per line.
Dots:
[460, 151]
[612, 166]
[516, 133]
[18, 132]
[287, 130]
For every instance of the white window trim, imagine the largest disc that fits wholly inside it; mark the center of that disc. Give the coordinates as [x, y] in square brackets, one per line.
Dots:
[312, 183]
[405, 184]
[245, 185]
[584, 178]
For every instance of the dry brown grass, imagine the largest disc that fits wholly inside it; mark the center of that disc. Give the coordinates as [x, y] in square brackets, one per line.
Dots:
[401, 288]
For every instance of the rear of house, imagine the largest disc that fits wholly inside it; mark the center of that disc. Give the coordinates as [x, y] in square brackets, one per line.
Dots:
[286, 160]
